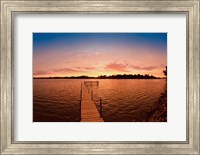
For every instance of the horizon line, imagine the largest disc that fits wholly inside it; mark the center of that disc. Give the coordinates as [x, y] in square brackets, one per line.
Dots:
[125, 76]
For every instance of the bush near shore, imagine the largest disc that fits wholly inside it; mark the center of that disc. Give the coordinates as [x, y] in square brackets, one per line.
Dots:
[159, 111]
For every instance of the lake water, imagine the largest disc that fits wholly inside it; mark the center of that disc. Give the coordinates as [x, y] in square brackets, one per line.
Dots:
[124, 100]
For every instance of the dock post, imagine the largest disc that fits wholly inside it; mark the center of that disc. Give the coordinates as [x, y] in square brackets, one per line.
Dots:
[80, 102]
[80, 110]
[101, 112]
[92, 94]
[81, 92]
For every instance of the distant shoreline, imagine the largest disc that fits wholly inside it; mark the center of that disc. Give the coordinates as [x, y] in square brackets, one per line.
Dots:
[137, 76]
[107, 78]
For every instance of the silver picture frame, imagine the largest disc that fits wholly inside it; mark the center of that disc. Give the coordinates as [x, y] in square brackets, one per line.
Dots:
[9, 8]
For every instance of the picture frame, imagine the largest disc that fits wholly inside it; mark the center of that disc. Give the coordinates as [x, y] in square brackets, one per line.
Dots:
[11, 7]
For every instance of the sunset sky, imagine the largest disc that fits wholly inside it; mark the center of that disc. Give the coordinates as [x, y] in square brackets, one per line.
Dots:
[94, 54]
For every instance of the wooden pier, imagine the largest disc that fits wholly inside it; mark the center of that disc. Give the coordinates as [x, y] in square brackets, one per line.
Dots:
[89, 112]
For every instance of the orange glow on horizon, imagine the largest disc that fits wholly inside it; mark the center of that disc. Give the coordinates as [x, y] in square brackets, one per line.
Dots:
[157, 73]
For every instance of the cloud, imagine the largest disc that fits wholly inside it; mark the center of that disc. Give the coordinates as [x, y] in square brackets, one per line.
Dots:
[143, 68]
[86, 68]
[128, 67]
[68, 70]
[74, 70]
[59, 70]
[117, 67]
[64, 70]
[89, 68]
[146, 67]
[37, 73]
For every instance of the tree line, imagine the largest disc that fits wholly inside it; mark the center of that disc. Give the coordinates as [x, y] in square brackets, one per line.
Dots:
[118, 76]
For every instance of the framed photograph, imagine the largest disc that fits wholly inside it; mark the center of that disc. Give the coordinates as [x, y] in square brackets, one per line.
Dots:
[99, 77]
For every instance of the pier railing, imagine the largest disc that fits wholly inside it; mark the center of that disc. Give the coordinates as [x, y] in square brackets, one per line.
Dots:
[100, 104]
[81, 91]
[91, 83]
[80, 110]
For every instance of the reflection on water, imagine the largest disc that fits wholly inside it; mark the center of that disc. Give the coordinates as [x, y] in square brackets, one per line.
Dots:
[124, 100]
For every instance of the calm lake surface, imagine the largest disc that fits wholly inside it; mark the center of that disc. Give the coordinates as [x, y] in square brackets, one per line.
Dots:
[124, 100]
